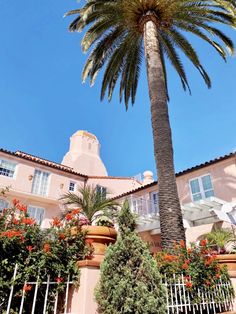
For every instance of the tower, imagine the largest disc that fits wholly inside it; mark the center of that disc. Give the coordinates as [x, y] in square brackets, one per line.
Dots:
[84, 154]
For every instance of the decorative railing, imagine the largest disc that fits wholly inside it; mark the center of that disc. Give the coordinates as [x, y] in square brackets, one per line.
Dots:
[45, 296]
[201, 300]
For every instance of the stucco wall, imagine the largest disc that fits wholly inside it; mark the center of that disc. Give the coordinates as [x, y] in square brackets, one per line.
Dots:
[115, 186]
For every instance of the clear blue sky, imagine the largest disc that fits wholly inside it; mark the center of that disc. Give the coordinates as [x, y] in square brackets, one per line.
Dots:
[43, 101]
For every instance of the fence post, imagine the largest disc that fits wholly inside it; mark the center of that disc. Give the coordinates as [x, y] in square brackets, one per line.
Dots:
[12, 288]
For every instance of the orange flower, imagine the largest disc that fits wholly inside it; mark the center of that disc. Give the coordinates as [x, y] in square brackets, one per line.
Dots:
[169, 258]
[46, 247]
[30, 248]
[15, 202]
[69, 216]
[12, 234]
[203, 242]
[76, 211]
[218, 276]
[28, 221]
[185, 266]
[189, 250]
[182, 243]
[61, 236]
[188, 284]
[15, 221]
[27, 287]
[21, 207]
[56, 222]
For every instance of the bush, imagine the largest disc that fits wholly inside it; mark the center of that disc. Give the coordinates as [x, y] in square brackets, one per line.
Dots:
[197, 264]
[129, 281]
[37, 252]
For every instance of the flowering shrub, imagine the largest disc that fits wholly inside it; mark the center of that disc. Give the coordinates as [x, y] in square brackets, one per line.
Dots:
[197, 264]
[53, 251]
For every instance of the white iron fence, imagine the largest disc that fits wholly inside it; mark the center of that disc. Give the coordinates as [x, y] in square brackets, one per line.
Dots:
[43, 297]
[201, 300]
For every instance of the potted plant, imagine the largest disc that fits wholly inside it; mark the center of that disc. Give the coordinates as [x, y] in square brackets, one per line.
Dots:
[221, 241]
[94, 214]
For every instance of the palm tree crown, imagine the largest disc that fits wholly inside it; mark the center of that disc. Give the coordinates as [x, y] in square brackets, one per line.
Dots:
[116, 34]
[91, 202]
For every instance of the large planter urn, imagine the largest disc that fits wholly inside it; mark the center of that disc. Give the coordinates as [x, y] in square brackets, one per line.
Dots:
[228, 260]
[99, 238]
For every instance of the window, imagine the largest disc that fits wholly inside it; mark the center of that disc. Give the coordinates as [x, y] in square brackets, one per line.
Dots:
[72, 186]
[40, 182]
[102, 191]
[36, 213]
[154, 203]
[201, 188]
[3, 204]
[7, 168]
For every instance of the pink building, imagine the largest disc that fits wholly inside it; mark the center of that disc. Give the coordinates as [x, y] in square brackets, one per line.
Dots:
[207, 192]
[40, 183]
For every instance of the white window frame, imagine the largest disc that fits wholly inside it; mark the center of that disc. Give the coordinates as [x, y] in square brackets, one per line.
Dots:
[154, 207]
[101, 187]
[49, 181]
[12, 162]
[202, 191]
[75, 186]
[6, 202]
[36, 207]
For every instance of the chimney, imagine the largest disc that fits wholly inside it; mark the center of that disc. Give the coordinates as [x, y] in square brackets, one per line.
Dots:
[147, 177]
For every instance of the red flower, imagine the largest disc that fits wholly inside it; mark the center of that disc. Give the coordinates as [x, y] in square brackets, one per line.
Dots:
[28, 221]
[207, 283]
[46, 247]
[30, 248]
[203, 242]
[61, 236]
[27, 287]
[69, 216]
[56, 222]
[58, 279]
[185, 266]
[15, 221]
[182, 243]
[12, 234]
[15, 202]
[188, 284]
[21, 207]
[169, 258]
[76, 211]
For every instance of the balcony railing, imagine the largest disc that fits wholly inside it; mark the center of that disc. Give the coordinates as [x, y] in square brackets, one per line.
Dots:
[143, 207]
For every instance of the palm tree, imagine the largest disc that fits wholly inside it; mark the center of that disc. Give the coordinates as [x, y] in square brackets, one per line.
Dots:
[220, 238]
[91, 202]
[118, 30]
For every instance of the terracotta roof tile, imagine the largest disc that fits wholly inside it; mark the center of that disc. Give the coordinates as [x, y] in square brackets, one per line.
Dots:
[42, 161]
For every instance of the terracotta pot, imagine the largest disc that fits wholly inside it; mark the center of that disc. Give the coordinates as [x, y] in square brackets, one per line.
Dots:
[99, 238]
[230, 261]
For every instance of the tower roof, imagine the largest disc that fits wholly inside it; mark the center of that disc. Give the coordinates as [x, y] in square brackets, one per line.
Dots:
[85, 133]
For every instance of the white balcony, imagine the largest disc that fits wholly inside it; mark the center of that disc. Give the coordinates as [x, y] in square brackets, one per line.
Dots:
[194, 214]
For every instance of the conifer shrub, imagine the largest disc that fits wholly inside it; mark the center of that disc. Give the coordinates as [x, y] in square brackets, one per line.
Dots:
[130, 281]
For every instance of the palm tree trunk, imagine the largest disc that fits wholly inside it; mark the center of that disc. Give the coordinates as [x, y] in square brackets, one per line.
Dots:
[171, 221]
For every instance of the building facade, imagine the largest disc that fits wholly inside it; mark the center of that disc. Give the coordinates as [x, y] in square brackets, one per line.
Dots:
[207, 195]
[207, 192]
[39, 183]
